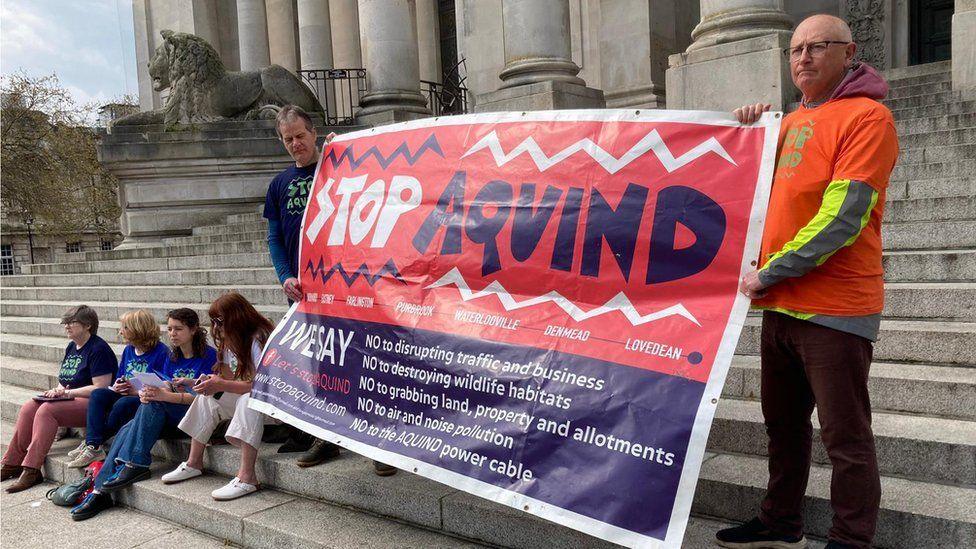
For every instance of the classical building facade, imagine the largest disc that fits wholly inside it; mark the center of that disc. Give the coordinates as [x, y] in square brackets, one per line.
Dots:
[520, 54]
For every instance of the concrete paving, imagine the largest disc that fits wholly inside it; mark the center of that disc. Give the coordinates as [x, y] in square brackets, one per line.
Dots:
[29, 521]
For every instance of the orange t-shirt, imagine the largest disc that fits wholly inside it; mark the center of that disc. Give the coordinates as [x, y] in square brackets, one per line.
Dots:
[843, 139]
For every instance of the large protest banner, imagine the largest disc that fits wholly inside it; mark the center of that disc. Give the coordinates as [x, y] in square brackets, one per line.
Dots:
[537, 308]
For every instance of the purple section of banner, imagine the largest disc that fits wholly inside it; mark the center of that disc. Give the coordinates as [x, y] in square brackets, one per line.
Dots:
[524, 419]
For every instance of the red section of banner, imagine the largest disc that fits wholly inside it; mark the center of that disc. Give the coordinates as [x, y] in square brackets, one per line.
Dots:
[620, 241]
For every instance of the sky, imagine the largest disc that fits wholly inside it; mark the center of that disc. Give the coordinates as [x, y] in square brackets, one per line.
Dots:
[89, 44]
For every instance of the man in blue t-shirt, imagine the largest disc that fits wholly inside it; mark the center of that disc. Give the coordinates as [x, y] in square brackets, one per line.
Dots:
[284, 209]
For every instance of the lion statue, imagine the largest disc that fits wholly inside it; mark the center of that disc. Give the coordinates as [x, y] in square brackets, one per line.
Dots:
[201, 90]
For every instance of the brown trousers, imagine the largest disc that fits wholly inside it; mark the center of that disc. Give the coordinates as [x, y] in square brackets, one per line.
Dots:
[805, 364]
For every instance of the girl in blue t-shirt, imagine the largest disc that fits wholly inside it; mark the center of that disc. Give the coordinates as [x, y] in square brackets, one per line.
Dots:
[110, 408]
[161, 408]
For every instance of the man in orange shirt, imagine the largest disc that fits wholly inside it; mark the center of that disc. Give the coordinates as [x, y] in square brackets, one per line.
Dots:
[820, 285]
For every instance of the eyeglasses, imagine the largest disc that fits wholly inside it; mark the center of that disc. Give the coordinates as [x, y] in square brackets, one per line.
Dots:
[816, 49]
[217, 321]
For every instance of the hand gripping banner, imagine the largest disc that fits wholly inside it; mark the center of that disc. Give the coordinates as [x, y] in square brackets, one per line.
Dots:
[536, 308]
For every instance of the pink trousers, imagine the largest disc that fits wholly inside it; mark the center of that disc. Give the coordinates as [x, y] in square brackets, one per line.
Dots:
[37, 424]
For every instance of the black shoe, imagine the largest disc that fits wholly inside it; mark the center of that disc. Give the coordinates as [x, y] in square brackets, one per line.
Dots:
[129, 475]
[831, 544]
[383, 470]
[298, 441]
[319, 452]
[755, 535]
[92, 505]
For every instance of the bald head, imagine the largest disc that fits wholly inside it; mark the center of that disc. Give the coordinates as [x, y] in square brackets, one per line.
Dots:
[828, 26]
[826, 52]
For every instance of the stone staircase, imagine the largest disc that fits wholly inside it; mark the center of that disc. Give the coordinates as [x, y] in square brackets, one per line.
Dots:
[923, 382]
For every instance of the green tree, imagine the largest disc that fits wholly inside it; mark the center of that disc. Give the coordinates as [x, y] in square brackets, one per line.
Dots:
[49, 164]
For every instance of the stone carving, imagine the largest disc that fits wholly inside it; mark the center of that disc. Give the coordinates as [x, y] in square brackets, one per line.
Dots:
[201, 90]
[867, 21]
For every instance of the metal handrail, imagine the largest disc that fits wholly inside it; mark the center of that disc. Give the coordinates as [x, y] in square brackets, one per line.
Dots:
[338, 91]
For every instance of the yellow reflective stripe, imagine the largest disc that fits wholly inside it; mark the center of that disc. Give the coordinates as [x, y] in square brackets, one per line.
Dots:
[794, 314]
[834, 197]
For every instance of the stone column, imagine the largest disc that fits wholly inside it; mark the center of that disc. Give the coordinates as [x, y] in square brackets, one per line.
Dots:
[252, 34]
[963, 51]
[736, 58]
[636, 37]
[315, 34]
[389, 30]
[539, 72]
[429, 41]
[346, 49]
[282, 40]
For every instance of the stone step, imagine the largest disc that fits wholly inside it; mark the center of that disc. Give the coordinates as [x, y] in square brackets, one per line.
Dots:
[920, 88]
[924, 100]
[924, 235]
[911, 81]
[912, 513]
[220, 261]
[216, 238]
[268, 518]
[935, 123]
[251, 246]
[258, 225]
[936, 109]
[930, 265]
[246, 217]
[914, 71]
[917, 447]
[935, 154]
[929, 342]
[957, 136]
[250, 276]
[905, 388]
[946, 208]
[940, 187]
[936, 170]
[258, 295]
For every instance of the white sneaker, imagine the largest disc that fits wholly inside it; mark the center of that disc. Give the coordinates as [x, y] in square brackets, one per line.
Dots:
[181, 473]
[233, 490]
[81, 447]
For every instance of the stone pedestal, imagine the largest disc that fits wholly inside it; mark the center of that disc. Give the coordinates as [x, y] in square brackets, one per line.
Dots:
[539, 73]
[170, 182]
[736, 58]
[963, 50]
[726, 76]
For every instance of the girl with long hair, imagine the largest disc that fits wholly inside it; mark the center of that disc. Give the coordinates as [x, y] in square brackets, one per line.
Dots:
[159, 413]
[240, 333]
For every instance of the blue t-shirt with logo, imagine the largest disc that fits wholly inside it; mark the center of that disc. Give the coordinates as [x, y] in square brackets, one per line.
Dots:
[79, 366]
[191, 367]
[285, 203]
[152, 361]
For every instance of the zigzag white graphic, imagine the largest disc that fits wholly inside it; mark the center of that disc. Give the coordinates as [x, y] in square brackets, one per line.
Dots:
[619, 302]
[650, 142]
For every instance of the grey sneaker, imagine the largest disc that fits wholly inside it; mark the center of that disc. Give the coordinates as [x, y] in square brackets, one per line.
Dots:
[87, 456]
[74, 453]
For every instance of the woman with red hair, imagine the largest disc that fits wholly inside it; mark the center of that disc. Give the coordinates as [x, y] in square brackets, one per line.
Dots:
[240, 333]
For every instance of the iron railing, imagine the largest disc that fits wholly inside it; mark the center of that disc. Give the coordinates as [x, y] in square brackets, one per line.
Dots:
[338, 91]
[445, 99]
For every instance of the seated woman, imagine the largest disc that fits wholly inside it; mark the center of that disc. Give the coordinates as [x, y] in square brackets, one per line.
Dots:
[89, 363]
[112, 407]
[161, 408]
[240, 333]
